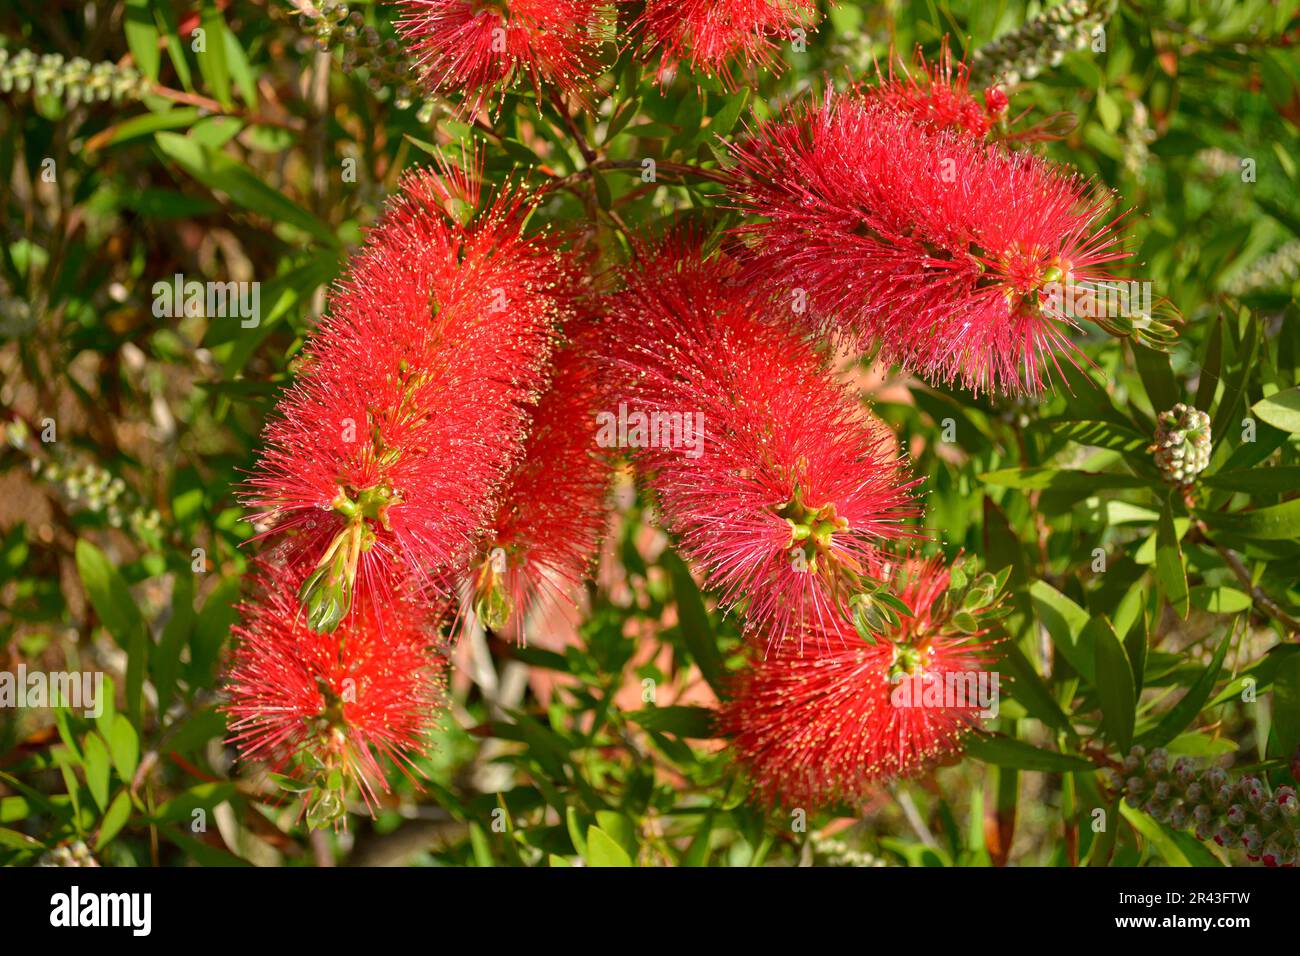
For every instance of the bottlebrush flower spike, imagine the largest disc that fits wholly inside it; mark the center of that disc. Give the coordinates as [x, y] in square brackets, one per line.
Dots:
[938, 94]
[548, 525]
[380, 463]
[965, 263]
[481, 48]
[827, 721]
[325, 708]
[717, 36]
[779, 484]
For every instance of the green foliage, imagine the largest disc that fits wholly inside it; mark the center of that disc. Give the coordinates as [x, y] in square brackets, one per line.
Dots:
[1136, 610]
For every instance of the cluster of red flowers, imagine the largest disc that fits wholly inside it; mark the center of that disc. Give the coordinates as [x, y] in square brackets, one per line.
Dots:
[409, 446]
[481, 49]
[713, 36]
[439, 456]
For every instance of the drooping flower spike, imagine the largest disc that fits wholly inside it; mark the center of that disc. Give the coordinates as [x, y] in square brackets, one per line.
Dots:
[722, 38]
[827, 721]
[551, 513]
[381, 462]
[961, 261]
[780, 486]
[325, 709]
[476, 50]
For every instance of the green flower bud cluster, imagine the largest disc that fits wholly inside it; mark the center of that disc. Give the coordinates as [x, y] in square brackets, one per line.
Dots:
[68, 854]
[74, 81]
[830, 852]
[331, 25]
[1239, 814]
[970, 603]
[1040, 44]
[88, 486]
[1182, 445]
[1274, 271]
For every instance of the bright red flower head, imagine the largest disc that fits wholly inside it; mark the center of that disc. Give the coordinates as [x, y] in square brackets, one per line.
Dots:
[937, 93]
[481, 48]
[547, 528]
[961, 260]
[779, 484]
[718, 37]
[380, 463]
[826, 721]
[326, 708]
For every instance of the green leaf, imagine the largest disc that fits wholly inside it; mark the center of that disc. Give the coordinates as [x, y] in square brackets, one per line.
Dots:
[1028, 688]
[725, 118]
[697, 854]
[1255, 481]
[1100, 434]
[14, 840]
[120, 615]
[150, 123]
[621, 827]
[1234, 382]
[1211, 367]
[118, 813]
[1157, 377]
[1220, 600]
[142, 37]
[1065, 622]
[245, 188]
[1281, 410]
[97, 768]
[697, 722]
[1170, 570]
[1163, 842]
[1135, 647]
[1114, 684]
[574, 825]
[166, 658]
[108, 593]
[1286, 707]
[1017, 755]
[696, 629]
[1181, 715]
[1056, 479]
[604, 850]
[603, 196]
[212, 59]
[211, 628]
[1274, 523]
[124, 745]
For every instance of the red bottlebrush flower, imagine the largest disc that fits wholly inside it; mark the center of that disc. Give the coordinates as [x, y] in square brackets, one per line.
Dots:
[715, 36]
[381, 461]
[325, 708]
[938, 94]
[959, 259]
[548, 525]
[779, 484]
[826, 721]
[481, 48]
